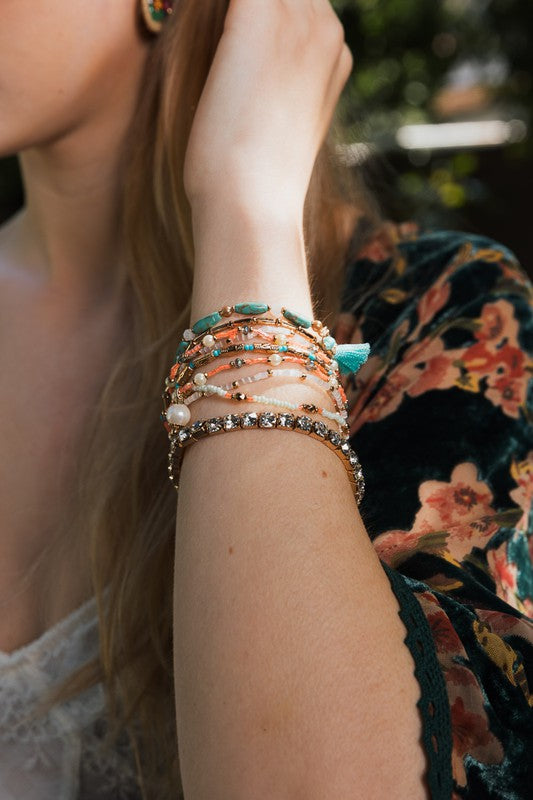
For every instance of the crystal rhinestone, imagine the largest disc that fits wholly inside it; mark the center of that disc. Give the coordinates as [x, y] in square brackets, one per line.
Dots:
[285, 420]
[232, 421]
[321, 429]
[238, 396]
[214, 424]
[334, 437]
[358, 472]
[345, 447]
[353, 458]
[304, 423]
[198, 428]
[183, 435]
[267, 419]
[238, 362]
[249, 419]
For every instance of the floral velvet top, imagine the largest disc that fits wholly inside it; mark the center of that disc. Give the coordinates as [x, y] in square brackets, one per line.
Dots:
[441, 419]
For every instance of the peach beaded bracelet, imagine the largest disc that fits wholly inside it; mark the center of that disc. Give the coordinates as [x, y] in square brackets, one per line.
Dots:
[202, 344]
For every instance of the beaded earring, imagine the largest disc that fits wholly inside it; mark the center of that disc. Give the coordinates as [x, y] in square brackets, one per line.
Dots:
[155, 12]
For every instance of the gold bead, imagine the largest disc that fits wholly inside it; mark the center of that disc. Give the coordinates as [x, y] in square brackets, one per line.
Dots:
[316, 325]
[226, 311]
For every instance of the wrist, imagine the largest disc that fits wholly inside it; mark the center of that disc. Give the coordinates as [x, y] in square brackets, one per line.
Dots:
[252, 200]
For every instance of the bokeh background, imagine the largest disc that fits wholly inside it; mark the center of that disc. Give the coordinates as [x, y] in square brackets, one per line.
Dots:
[437, 114]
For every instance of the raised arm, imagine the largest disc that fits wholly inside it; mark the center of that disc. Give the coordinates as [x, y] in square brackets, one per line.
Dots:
[292, 676]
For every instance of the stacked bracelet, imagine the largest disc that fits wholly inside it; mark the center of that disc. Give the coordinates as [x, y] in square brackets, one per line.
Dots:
[322, 359]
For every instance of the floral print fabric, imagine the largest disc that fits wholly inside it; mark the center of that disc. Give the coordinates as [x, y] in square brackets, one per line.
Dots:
[441, 419]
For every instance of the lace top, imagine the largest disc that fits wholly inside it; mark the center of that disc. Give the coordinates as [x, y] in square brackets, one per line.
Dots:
[58, 755]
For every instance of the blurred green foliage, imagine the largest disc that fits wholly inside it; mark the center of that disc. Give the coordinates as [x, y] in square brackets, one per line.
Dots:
[425, 61]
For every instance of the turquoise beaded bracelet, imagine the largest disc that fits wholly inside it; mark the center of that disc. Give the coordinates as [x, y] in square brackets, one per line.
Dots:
[350, 357]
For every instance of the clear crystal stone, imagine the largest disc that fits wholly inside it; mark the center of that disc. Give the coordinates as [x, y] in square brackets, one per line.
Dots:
[320, 428]
[345, 447]
[334, 437]
[232, 421]
[353, 458]
[214, 424]
[267, 419]
[184, 434]
[304, 422]
[197, 427]
[286, 420]
[249, 419]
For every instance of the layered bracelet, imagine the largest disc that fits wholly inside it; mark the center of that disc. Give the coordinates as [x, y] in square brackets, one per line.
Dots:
[275, 340]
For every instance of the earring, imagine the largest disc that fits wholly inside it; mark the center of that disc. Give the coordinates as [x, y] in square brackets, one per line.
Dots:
[155, 12]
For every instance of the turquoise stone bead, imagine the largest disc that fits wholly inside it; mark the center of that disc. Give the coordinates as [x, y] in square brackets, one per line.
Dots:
[181, 349]
[250, 308]
[329, 342]
[311, 357]
[283, 348]
[206, 322]
[248, 347]
[296, 318]
[191, 364]
[216, 352]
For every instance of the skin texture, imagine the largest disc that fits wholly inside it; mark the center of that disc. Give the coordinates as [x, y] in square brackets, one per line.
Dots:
[65, 105]
[285, 659]
[287, 643]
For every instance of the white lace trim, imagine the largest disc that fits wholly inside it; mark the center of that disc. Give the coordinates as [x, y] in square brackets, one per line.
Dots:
[59, 754]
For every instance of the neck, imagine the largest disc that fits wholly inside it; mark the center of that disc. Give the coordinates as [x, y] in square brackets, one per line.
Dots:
[66, 236]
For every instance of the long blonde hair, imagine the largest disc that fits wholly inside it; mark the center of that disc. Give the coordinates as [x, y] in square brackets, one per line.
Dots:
[126, 506]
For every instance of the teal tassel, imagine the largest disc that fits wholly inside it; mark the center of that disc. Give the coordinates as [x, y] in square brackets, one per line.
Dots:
[350, 357]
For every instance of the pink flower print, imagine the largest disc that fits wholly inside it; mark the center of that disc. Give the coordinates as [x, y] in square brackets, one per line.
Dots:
[522, 474]
[385, 402]
[426, 365]
[505, 575]
[460, 676]
[508, 393]
[432, 301]
[471, 735]
[497, 321]
[478, 358]
[507, 382]
[462, 500]
[395, 546]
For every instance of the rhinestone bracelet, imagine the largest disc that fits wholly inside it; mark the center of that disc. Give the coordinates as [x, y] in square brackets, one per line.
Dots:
[267, 420]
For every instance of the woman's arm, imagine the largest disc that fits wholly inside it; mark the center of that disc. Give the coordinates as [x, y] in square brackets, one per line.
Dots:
[292, 676]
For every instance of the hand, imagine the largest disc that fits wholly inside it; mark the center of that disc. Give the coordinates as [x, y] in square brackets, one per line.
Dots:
[267, 104]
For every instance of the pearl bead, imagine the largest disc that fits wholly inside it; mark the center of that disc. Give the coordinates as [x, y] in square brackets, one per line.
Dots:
[275, 359]
[200, 379]
[208, 340]
[334, 365]
[178, 414]
[188, 335]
